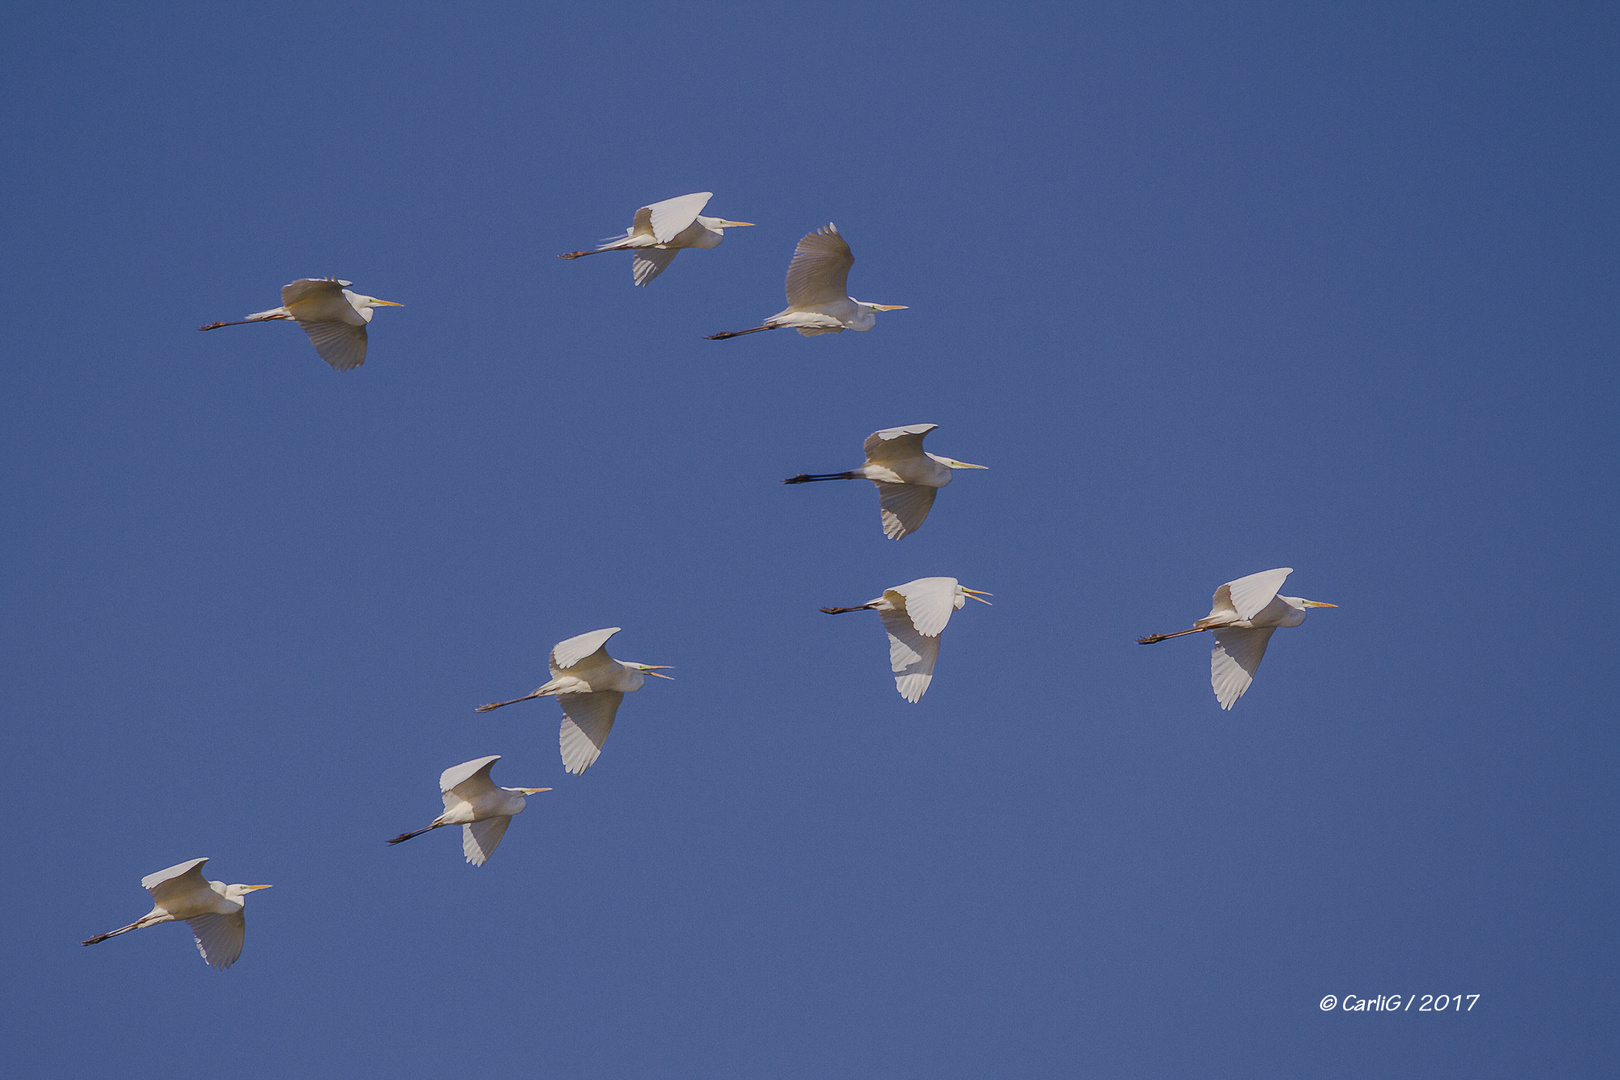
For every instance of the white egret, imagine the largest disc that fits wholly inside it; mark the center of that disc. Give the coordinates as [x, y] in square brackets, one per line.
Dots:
[660, 232]
[213, 909]
[1245, 614]
[907, 476]
[915, 614]
[818, 291]
[334, 318]
[589, 685]
[483, 810]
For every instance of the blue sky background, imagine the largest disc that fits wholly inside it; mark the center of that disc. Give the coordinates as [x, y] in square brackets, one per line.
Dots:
[1210, 290]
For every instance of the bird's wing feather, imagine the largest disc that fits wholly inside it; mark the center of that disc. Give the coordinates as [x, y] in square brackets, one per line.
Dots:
[478, 839]
[1235, 659]
[903, 506]
[341, 344]
[911, 655]
[670, 217]
[565, 654]
[1249, 595]
[819, 271]
[456, 775]
[929, 602]
[648, 263]
[219, 937]
[177, 880]
[896, 442]
[311, 289]
[587, 719]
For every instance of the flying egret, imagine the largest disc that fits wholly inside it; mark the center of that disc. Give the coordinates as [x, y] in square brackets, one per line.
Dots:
[906, 475]
[212, 908]
[589, 685]
[818, 291]
[915, 614]
[334, 318]
[660, 232]
[483, 810]
[1245, 615]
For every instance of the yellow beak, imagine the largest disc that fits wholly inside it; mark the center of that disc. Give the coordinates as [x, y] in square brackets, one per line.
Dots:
[387, 303]
[977, 595]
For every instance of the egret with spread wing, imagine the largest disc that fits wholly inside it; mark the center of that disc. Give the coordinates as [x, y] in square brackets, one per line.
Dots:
[914, 615]
[334, 318]
[213, 909]
[483, 810]
[589, 685]
[661, 230]
[818, 291]
[1245, 614]
[907, 476]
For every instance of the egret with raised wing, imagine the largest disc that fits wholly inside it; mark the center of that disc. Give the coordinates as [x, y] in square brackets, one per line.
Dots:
[1245, 614]
[473, 801]
[661, 230]
[589, 685]
[334, 318]
[818, 291]
[907, 476]
[914, 615]
[213, 910]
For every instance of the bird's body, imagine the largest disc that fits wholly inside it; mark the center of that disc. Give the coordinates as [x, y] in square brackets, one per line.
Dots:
[1244, 615]
[818, 291]
[213, 909]
[660, 232]
[473, 801]
[589, 685]
[914, 615]
[334, 318]
[906, 476]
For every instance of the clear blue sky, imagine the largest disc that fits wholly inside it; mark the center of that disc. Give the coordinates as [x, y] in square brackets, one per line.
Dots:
[1211, 289]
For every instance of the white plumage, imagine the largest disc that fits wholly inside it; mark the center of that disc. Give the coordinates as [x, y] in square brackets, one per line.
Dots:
[914, 615]
[1244, 615]
[334, 318]
[661, 230]
[473, 801]
[818, 291]
[589, 685]
[906, 476]
[213, 910]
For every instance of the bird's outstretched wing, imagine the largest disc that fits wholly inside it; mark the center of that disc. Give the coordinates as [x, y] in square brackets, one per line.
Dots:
[819, 271]
[478, 840]
[648, 263]
[306, 289]
[1234, 660]
[929, 602]
[341, 344]
[587, 719]
[219, 937]
[896, 442]
[566, 654]
[669, 218]
[904, 507]
[911, 655]
[473, 774]
[180, 879]
[1247, 596]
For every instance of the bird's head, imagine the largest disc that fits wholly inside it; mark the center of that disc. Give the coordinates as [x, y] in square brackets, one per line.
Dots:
[372, 301]
[975, 593]
[1299, 603]
[880, 307]
[650, 669]
[720, 224]
[531, 790]
[236, 892]
[952, 463]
